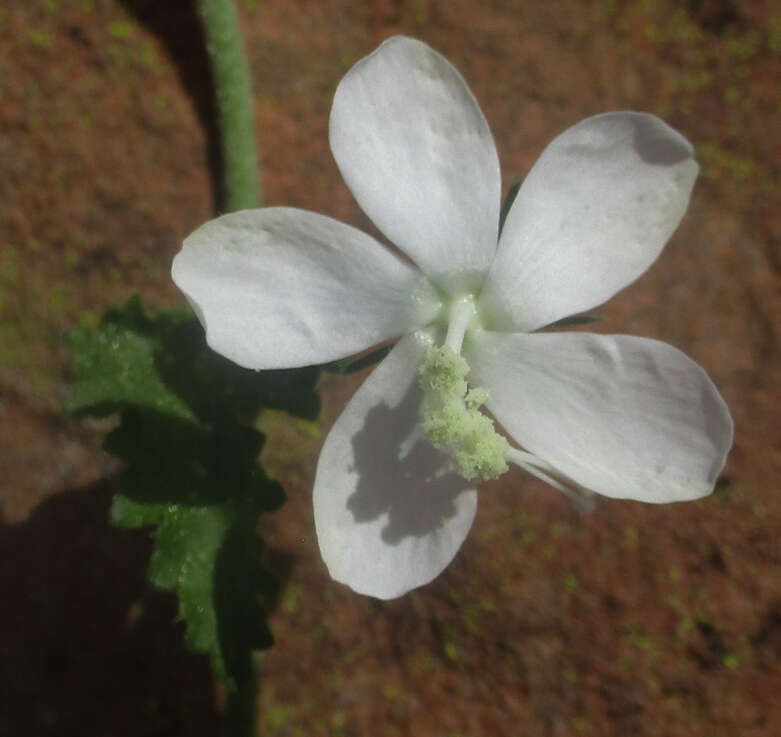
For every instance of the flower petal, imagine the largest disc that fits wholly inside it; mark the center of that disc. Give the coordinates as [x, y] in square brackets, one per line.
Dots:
[592, 215]
[390, 511]
[419, 158]
[280, 288]
[623, 416]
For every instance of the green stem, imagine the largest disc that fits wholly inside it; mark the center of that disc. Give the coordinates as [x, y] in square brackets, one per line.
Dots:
[234, 104]
[241, 718]
[242, 191]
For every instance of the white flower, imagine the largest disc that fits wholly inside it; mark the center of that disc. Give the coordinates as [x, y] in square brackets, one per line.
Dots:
[622, 416]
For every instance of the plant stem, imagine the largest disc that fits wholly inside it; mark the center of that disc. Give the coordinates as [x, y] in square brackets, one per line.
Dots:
[241, 717]
[241, 174]
[234, 104]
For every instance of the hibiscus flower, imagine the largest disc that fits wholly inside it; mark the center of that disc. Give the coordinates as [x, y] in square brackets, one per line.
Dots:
[395, 489]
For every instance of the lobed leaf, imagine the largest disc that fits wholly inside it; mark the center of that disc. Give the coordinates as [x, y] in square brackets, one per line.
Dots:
[191, 467]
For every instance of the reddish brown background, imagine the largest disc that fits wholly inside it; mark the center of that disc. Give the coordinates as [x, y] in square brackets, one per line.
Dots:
[633, 620]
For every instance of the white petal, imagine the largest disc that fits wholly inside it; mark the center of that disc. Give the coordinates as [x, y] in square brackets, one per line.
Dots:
[592, 215]
[418, 156]
[279, 288]
[623, 416]
[389, 510]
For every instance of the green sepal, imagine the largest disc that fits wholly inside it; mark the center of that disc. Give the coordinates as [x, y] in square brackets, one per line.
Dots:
[568, 322]
[512, 193]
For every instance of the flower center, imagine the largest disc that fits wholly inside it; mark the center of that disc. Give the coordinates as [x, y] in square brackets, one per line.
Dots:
[450, 412]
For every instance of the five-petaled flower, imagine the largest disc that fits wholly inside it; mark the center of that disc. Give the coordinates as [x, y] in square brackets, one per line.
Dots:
[626, 417]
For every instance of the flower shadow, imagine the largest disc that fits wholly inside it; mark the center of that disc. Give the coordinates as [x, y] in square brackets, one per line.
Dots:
[176, 24]
[87, 647]
[401, 476]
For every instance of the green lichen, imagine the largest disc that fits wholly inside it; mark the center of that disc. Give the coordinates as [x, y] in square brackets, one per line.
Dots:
[121, 30]
[40, 39]
[774, 34]
[744, 47]
[717, 162]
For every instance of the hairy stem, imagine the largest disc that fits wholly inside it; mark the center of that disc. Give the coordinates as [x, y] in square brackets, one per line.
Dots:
[234, 104]
[242, 191]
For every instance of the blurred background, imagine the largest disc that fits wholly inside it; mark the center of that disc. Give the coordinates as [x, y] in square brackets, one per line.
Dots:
[632, 620]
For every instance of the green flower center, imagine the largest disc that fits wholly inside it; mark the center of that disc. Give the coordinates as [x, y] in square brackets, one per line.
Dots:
[451, 414]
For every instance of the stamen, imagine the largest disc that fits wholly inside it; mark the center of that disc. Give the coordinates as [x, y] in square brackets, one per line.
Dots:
[451, 417]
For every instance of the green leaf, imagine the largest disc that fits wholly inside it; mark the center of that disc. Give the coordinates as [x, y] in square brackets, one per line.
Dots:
[126, 512]
[191, 467]
[204, 491]
[162, 362]
[214, 566]
[115, 366]
[169, 462]
[211, 557]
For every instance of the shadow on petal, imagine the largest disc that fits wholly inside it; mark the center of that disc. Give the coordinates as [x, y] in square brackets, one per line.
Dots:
[657, 143]
[401, 475]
